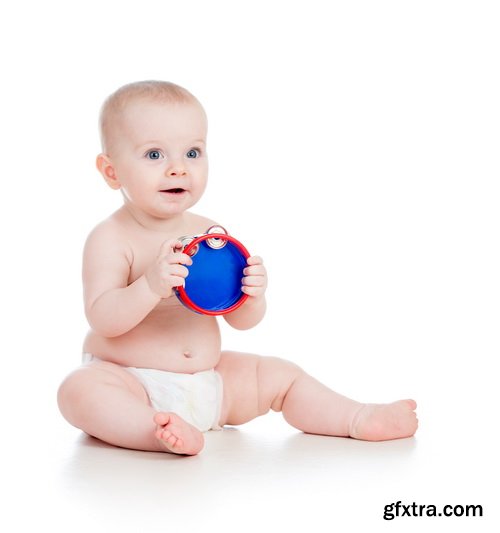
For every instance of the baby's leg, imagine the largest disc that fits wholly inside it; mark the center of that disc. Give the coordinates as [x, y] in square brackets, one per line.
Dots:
[107, 402]
[253, 385]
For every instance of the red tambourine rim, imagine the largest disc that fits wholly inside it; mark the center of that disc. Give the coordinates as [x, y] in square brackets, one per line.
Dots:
[182, 291]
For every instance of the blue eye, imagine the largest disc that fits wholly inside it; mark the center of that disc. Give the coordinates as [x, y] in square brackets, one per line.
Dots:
[154, 155]
[192, 154]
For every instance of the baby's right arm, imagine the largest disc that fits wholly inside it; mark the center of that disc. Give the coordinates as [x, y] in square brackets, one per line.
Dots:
[112, 306]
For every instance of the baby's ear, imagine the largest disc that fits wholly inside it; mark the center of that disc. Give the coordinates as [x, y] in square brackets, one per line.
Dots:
[105, 167]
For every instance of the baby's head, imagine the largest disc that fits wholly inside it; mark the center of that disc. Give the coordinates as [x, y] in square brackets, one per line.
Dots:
[153, 136]
[116, 105]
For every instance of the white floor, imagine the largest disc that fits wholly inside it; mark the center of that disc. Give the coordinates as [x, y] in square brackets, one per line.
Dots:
[260, 476]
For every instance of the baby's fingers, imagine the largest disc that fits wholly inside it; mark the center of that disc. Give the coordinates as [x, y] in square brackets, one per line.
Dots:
[169, 246]
[253, 281]
[179, 259]
[177, 270]
[171, 251]
[253, 291]
[255, 270]
[255, 260]
[175, 281]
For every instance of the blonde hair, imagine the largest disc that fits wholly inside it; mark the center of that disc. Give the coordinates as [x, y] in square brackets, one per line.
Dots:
[152, 90]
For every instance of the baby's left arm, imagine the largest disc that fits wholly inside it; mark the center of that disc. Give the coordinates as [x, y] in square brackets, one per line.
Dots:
[254, 284]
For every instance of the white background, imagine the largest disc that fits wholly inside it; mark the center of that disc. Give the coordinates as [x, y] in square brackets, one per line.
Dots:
[355, 146]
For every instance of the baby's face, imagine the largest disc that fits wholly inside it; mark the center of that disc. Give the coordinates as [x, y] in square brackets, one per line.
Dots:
[159, 156]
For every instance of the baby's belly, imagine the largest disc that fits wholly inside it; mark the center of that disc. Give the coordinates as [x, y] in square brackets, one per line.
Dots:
[170, 338]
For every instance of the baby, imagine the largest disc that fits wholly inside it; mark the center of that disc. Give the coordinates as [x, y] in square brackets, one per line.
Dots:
[154, 377]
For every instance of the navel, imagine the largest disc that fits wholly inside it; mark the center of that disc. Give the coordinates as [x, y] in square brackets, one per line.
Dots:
[187, 354]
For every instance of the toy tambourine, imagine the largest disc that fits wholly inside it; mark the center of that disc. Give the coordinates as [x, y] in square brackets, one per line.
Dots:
[213, 286]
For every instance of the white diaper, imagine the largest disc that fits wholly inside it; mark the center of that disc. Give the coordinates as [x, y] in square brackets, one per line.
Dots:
[197, 398]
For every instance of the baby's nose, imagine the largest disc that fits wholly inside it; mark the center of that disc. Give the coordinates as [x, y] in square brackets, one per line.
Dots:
[176, 169]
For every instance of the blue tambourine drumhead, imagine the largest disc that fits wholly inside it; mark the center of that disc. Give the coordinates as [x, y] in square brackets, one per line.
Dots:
[213, 286]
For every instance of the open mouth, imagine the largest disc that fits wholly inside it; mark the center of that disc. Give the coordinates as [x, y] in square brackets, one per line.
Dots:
[174, 191]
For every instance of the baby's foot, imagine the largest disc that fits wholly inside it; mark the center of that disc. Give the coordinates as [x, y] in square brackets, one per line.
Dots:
[385, 421]
[176, 435]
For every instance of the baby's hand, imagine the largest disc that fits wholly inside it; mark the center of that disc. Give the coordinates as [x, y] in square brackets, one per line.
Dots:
[255, 280]
[168, 271]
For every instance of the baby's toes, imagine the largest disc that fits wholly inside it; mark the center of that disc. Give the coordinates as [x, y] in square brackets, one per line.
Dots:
[164, 434]
[178, 444]
[171, 440]
[412, 404]
[162, 419]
